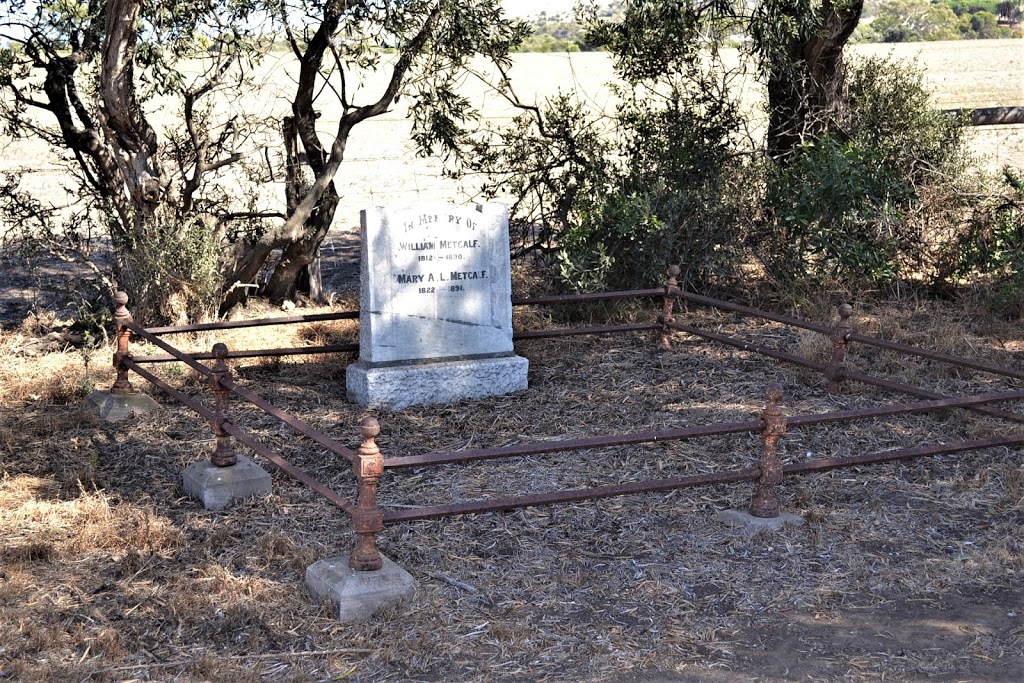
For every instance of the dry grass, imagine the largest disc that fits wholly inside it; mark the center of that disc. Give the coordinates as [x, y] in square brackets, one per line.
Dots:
[904, 572]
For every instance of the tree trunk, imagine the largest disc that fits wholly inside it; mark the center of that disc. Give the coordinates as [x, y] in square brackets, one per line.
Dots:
[806, 77]
[295, 271]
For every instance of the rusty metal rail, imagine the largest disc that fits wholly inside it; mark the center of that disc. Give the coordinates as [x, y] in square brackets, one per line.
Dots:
[824, 464]
[676, 293]
[369, 464]
[354, 348]
[720, 429]
[261, 403]
[729, 477]
[258, 353]
[847, 374]
[570, 496]
[576, 331]
[590, 296]
[354, 315]
[672, 291]
[934, 355]
[523, 450]
[244, 437]
[261, 322]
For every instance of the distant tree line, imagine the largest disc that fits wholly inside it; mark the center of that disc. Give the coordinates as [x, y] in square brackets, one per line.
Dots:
[899, 21]
[885, 21]
[555, 35]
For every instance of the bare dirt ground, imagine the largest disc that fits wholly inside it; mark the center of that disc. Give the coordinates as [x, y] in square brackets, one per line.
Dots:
[904, 572]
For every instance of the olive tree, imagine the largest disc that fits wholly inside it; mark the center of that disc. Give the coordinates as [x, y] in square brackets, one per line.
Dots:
[182, 204]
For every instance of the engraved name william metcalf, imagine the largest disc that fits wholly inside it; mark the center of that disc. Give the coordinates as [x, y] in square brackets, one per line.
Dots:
[440, 244]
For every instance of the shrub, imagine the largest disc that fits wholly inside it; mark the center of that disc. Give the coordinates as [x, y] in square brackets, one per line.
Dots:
[837, 213]
[613, 201]
[858, 205]
[990, 251]
[668, 199]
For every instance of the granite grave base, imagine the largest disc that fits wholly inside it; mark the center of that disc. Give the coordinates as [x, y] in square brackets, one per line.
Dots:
[115, 406]
[398, 386]
[743, 521]
[216, 486]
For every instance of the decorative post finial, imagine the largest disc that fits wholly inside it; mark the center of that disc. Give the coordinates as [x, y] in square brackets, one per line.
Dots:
[223, 455]
[367, 517]
[122, 385]
[667, 304]
[765, 503]
[836, 370]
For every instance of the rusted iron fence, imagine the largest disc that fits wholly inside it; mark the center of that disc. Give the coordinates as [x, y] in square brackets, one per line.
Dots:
[369, 465]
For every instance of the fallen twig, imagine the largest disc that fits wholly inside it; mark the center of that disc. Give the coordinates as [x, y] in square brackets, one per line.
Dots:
[271, 655]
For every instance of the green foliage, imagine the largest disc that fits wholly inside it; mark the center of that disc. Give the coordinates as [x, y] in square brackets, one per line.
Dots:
[898, 21]
[187, 220]
[855, 209]
[1010, 10]
[962, 7]
[990, 251]
[175, 271]
[889, 110]
[551, 160]
[837, 211]
[548, 43]
[983, 24]
[901, 21]
[553, 34]
[613, 201]
[660, 39]
[667, 196]
[775, 25]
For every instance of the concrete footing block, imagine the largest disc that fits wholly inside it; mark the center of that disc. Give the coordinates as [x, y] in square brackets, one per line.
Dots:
[216, 486]
[746, 522]
[358, 595]
[115, 407]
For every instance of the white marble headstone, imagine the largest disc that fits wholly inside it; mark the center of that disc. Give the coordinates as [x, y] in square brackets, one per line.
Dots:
[435, 306]
[436, 283]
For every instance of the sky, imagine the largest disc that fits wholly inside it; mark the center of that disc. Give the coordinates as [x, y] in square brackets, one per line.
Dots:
[529, 8]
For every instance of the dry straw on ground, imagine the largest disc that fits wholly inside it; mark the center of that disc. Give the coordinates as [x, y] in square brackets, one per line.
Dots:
[904, 572]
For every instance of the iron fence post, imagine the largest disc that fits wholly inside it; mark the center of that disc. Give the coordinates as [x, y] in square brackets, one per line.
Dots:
[223, 455]
[122, 385]
[367, 518]
[840, 333]
[765, 503]
[667, 304]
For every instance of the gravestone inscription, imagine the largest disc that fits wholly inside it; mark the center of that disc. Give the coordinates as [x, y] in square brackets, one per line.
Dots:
[435, 307]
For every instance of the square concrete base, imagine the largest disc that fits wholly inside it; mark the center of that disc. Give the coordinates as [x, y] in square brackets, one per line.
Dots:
[398, 386]
[216, 486]
[116, 407]
[359, 595]
[746, 522]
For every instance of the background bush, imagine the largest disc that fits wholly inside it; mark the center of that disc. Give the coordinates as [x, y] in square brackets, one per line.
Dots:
[667, 197]
[863, 205]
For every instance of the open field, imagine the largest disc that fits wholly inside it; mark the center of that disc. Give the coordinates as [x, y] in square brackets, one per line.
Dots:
[382, 169]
